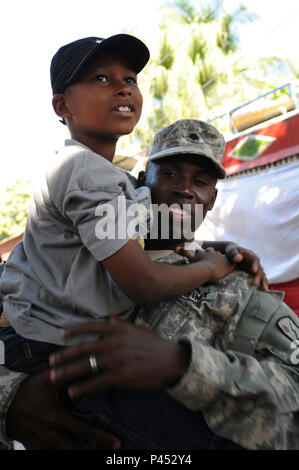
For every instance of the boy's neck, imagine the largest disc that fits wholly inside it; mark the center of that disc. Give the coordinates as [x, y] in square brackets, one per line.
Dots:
[104, 146]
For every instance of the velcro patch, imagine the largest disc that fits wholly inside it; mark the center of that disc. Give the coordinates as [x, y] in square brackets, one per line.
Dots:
[289, 328]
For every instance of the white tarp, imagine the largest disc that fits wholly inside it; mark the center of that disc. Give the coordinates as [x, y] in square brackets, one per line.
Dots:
[260, 211]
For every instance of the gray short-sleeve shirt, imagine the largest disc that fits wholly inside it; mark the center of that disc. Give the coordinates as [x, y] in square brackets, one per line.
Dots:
[54, 278]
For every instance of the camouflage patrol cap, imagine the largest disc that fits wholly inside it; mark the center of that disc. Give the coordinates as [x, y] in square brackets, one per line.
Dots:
[190, 136]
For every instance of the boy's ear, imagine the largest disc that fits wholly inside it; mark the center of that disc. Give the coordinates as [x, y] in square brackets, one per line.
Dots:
[141, 179]
[60, 106]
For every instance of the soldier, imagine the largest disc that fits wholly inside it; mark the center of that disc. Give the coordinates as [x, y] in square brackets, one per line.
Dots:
[227, 348]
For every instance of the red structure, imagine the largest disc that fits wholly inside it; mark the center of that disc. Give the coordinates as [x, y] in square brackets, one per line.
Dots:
[268, 143]
[285, 143]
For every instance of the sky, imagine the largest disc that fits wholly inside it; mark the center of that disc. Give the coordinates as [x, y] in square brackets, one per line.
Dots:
[33, 30]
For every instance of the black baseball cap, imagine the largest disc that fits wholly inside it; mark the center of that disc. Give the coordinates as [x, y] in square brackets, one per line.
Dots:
[69, 59]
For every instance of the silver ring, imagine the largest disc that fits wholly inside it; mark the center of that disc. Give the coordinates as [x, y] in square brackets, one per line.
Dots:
[93, 363]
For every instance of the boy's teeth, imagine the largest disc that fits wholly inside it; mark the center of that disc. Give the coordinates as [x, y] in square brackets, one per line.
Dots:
[125, 109]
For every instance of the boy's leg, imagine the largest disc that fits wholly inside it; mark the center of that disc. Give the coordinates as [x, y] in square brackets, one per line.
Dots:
[24, 355]
[147, 420]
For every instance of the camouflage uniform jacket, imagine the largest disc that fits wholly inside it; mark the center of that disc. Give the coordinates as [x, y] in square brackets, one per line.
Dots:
[9, 383]
[251, 399]
[247, 392]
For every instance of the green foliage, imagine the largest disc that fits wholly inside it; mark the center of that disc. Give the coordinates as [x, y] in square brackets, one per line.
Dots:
[210, 13]
[159, 84]
[206, 74]
[186, 11]
[14, 205]
[197, 48]
[282, 92]
[204, 14]
[225, 38]
[166, 53]
[197, 71]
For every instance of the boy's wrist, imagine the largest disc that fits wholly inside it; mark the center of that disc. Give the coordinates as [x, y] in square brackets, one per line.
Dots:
[207, 271]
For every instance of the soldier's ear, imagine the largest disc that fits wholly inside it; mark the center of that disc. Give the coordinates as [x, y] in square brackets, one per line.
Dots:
[141, 179]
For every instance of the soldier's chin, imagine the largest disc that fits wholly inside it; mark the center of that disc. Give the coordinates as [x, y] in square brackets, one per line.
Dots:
[179, 232]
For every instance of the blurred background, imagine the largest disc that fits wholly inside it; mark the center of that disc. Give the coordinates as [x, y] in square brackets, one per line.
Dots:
[207, 57]
[210, 60]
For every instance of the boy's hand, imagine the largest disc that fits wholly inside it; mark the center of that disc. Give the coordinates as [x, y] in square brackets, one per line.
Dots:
[37, 419]
[127, 355]
[218, 264]
[248, 261]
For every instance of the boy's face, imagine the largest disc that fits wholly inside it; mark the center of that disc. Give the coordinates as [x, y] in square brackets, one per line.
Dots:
[182, 180]
[105, 102]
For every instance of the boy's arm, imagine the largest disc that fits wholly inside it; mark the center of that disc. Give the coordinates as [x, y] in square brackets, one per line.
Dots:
[146, 282]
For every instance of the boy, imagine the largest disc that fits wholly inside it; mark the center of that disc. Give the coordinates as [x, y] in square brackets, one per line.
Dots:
[62, 274]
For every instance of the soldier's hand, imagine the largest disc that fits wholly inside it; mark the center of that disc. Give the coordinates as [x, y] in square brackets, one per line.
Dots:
[248, 261]
[245, 259]
[216, 263]
[37, 419]
[127, 355]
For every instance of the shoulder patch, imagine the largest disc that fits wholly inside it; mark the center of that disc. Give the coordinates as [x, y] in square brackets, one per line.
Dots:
[289, 328]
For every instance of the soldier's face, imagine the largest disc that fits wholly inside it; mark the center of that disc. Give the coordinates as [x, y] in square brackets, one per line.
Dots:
[185, 181]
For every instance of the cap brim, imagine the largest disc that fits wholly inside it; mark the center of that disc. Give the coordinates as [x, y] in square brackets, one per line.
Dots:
[177, 151]
[127, 46]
